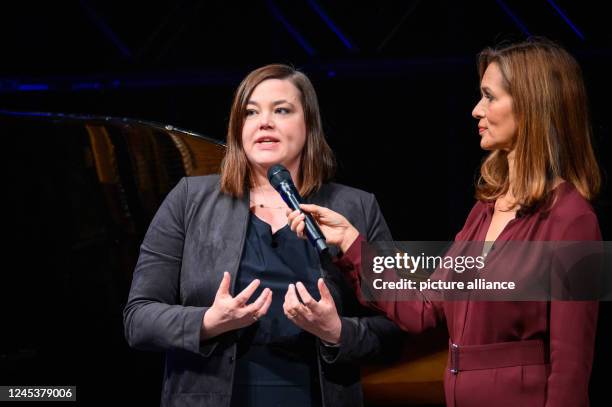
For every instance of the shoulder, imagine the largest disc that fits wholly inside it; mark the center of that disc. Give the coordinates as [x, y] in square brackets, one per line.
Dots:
[572, 215]
[479, 209]
[192, 193]
[336, 192]
[568, 203]
[474, 220]
[203, 182]
[203, 187]
[359, 207]
[344, 199]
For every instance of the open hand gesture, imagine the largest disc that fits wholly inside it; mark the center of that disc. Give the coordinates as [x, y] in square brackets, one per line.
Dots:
[320, 318]
[228, 313]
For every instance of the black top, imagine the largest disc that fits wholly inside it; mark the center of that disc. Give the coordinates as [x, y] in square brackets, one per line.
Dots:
[277, 362]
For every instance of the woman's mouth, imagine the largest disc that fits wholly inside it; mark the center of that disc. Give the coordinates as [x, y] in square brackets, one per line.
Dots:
[266, 140]
[267, 143]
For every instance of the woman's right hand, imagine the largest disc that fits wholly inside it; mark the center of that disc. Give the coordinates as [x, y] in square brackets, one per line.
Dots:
[336, 228]
[228, 313]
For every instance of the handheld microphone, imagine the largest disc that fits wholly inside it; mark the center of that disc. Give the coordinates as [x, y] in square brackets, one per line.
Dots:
[281, 180]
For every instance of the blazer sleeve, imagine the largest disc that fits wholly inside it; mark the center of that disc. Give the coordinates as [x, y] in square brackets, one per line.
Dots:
[573, 326]
[369, 334]
[153, 317]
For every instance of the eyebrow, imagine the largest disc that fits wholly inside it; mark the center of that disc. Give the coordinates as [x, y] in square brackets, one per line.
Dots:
[275, 103]
[486, 89]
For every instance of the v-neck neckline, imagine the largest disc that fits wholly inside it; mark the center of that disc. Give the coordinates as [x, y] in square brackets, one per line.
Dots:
[266, 224]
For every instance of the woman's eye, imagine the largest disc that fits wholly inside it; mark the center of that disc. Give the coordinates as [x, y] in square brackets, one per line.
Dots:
[488, 96]
[282, 110]
[250, 112]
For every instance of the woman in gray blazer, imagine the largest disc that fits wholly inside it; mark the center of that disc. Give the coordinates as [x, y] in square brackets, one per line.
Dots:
[220, 274]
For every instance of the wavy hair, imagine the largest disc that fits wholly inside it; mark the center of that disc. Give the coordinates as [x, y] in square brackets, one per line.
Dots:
[554, 134]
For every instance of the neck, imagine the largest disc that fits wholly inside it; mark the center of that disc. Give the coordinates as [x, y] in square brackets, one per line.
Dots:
[506, 202]
[259, 177]
[511, 170]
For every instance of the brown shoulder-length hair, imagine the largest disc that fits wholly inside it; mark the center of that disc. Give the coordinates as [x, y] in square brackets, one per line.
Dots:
[317, 164]
[554, 134]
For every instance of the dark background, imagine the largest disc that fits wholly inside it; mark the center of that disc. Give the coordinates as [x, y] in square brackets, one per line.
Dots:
[396, 82]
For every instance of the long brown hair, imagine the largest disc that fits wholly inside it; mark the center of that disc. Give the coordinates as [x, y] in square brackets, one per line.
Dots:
[317, 163]
[554, 133]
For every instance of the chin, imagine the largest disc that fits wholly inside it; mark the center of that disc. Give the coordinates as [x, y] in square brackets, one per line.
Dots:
[266, 163]
[266, 160]
[485, 146]
[489, 145]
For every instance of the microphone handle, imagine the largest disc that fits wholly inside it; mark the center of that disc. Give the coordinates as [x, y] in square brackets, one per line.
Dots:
[293, 199]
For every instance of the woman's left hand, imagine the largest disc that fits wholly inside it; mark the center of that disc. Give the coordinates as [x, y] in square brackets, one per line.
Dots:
[320, 318]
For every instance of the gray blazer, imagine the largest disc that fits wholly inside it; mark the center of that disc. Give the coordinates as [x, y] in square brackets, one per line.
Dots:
[196, 235]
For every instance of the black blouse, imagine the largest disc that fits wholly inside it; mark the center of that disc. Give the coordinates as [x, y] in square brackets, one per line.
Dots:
[277, 362]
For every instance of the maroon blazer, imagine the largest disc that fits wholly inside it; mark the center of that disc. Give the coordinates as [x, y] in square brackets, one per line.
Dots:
[510, 353]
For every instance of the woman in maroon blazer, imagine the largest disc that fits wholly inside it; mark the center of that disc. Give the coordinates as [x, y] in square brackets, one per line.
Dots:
[535, 185]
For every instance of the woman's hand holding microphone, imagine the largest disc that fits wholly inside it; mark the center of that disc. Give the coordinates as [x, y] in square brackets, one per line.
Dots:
[336, 228]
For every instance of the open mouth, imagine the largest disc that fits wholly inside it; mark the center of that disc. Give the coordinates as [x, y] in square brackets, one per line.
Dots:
[266, 140]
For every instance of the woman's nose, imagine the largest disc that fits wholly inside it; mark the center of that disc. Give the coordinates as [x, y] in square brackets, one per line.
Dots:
[478, 111]
[266, 120]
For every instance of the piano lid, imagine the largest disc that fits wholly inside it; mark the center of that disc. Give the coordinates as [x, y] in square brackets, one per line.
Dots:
[141, 160]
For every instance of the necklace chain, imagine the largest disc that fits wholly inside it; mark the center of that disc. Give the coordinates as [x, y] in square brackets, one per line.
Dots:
[268, 207]
[265, 205]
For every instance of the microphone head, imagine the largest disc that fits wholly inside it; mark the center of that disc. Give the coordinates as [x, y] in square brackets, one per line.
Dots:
[278, 174]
